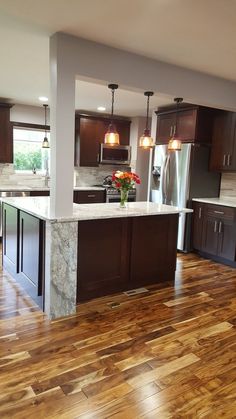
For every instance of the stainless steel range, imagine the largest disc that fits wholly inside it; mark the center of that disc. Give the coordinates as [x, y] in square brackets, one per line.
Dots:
[113, 195]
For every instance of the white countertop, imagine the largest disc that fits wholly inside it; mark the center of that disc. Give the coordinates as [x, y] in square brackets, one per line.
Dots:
[227, 202]
[21, 188]
[40, 207]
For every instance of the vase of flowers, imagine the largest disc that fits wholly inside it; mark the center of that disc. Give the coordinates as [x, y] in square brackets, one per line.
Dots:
[124, 181]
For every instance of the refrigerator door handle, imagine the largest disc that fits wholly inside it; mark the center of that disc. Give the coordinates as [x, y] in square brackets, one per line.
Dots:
[163, 188]
[165, 175]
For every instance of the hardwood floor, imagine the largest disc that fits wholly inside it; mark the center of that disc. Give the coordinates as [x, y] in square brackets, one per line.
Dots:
[166, 353]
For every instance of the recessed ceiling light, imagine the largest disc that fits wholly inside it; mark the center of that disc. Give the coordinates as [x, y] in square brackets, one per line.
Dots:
[43, 98]
[101, 108]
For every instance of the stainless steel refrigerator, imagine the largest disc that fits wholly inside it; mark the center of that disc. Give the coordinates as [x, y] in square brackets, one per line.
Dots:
[177, 177]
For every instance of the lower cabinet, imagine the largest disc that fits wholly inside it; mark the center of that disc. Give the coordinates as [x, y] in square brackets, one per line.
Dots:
[89, 196]
[125, 253]
[214, 232]
[23, 250]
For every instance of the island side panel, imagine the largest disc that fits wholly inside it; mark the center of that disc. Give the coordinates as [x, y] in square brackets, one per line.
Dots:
[61, 268]
[153, 249]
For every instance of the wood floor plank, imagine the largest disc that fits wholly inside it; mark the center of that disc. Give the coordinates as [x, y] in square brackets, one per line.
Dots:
[167, 353]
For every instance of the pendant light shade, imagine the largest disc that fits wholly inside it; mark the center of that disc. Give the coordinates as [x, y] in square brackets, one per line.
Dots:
[45, 143]
[112, 136]
[146, 141]
[175, 143]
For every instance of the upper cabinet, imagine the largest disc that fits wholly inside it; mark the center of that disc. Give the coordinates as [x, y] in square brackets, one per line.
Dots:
[89, 134]
[194, 123]
[6, 134]
[223, 152]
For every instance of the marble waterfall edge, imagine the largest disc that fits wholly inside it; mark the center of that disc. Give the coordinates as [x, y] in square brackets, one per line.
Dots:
[61, 268]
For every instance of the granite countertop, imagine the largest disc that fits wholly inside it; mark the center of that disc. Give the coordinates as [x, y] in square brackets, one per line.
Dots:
[21, 188]
[227, 202]
[40, 207]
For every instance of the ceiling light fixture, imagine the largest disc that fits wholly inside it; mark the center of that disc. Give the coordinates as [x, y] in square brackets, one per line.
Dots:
[45, 143]
[101, 108]
[112, 136]
[43, 98]
[174, 142]
[146, 141]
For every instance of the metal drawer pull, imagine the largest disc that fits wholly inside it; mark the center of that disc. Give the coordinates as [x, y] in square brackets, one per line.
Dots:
[200, 213]
[215, 227]
[224, 159]
[228, 159]
[219, 212]
[91, 196]
[220, 227]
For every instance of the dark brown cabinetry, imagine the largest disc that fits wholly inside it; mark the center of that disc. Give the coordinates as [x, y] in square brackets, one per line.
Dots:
[89, 197]
[125, 253]
[6, 134]
[223, 152]
[214, 231]
[23, 250]
[89, 134]
[10, 237]
[39, 193]
[194, 123]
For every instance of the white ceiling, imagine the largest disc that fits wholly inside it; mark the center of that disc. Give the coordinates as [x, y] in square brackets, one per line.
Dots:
[196, 34]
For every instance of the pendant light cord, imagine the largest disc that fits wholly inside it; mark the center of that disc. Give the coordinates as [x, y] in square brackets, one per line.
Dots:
[45, 119]
[112, 103]
[178, 100]
[148, 98]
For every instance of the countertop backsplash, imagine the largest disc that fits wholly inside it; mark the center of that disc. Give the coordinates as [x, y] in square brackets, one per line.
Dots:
[228, 185]
[83, 176]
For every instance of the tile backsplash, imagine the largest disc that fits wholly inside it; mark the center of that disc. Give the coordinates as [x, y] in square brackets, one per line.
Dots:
[83, 176]
[228, 185]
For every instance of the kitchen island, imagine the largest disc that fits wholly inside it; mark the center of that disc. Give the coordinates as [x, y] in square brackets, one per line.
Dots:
[99, 250]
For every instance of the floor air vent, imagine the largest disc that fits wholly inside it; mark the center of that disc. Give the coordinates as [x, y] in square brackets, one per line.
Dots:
[130, 293]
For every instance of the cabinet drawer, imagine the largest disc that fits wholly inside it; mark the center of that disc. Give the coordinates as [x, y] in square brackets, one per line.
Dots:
[89, 197]
[222, 212]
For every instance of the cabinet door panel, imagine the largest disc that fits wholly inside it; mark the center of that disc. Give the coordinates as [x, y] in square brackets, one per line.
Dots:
[10, 236]
[165, 125]
[187, 121]
[89, 138]
[227, 240]
[198, 214]
[223, 150]
[30, 248]
[6, 135]
[153, 249]
[210, 235]
[103, 257]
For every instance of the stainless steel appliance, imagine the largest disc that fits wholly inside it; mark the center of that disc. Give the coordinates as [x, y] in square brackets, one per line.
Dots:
[179, 176]
[8, 194]
[115, 154]
[113, 195]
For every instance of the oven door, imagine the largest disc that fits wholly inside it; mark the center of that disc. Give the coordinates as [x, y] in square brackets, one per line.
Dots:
[116, 198]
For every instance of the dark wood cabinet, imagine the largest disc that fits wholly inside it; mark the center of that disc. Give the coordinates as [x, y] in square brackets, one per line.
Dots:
[103, 257]
[125, 253]
[89, 196]
[6, 134]
[89, 134]
[23, 250]
[195, 123]
[153, 249]
[10, 237]
[39, 193]
[214, 231]
[223, 152]
[198, 209]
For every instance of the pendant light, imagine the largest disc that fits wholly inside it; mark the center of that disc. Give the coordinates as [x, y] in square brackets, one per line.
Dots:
[45, 143]
[112, 136]
[174, 142]
[146, 141]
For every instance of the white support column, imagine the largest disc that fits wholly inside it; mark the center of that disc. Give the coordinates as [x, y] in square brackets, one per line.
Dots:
[62, 117]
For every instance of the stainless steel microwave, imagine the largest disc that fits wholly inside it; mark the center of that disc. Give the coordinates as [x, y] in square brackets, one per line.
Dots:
[115, 154]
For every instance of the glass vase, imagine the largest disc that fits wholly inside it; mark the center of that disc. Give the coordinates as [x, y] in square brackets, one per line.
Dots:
[123, 198]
